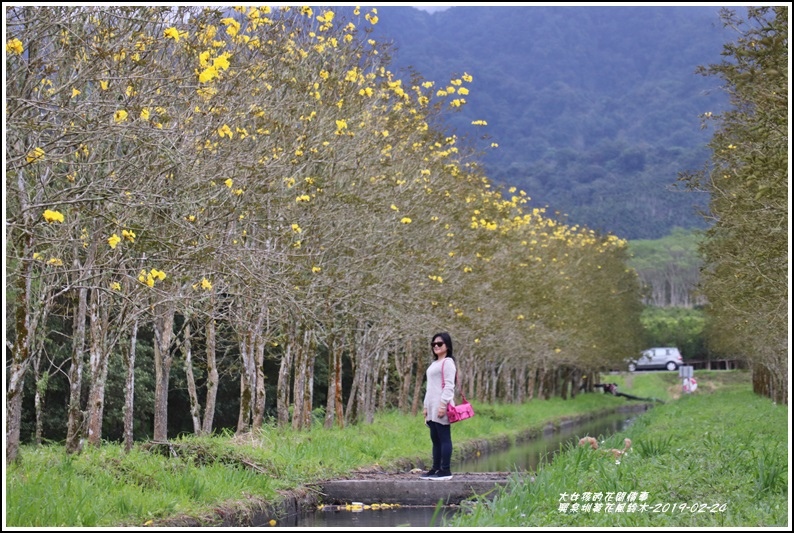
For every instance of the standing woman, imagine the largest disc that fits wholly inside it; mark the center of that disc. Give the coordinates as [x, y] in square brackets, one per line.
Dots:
[435, 405]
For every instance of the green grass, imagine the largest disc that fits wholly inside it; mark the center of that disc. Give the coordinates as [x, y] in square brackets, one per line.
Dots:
[710, 459]
[107, 487]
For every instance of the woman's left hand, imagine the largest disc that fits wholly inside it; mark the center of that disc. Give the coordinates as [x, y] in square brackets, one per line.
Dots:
[442, 412]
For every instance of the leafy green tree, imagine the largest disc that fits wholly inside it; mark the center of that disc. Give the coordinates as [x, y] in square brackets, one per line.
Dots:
[669, 268]
[746, 249]
[675, 326]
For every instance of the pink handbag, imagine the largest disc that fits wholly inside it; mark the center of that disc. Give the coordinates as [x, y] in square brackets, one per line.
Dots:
[456, 413]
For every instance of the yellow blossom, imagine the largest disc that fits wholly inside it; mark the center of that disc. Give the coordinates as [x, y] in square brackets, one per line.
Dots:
[229, 182]
[116, 286]
[129, 235]
[158, 274]
[113, 240]
[145, 114]
[316, 269]
[405, 220]
[296, 228]
[208, 74]
[394, 207]
[35, 155]
[221, 62]
[171, 33]
[232, 26]
[54, 261]
[205, 284]
[120, 115]
[52, 216]
[14, 46]
[75, 92]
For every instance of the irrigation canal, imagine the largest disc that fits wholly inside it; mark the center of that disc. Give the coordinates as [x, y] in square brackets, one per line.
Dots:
[394, 500]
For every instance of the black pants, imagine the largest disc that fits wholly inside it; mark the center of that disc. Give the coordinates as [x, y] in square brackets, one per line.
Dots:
[441, 436]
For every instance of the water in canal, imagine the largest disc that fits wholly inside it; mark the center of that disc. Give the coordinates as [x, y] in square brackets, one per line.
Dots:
[522, 457]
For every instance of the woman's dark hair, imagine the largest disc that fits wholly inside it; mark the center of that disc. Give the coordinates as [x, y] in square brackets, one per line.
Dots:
[447, 340]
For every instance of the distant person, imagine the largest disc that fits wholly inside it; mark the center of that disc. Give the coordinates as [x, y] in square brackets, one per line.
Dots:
[437, 396]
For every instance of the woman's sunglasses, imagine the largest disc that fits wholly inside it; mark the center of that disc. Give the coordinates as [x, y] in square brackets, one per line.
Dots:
[436, 344]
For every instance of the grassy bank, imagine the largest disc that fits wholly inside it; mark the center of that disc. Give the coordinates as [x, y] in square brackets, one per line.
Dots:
[715, 458]
[199, 476]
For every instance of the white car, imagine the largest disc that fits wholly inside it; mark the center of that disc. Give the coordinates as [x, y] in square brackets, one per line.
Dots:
[657, 359]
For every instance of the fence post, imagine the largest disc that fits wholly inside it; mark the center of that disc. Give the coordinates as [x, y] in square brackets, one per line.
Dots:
[688, 383]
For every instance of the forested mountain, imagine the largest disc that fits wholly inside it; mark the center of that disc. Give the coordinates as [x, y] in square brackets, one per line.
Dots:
[595, 110]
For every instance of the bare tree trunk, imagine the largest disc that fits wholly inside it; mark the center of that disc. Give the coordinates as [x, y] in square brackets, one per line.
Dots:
[364, 371]
[418, 380]
[304, 380]
[404, 363]
[351, 414]
[564, 377]
[493, 384]
[308, 384]
[541, 382]
[246, 394]
[334, 410]
[575, 378]
[16, 382]
[521, 379]
[74, 421]
[298, 385]
[163, 333]
[129, 389]
[259, 396]
[372, 386]
[531, 384]
[195, 407]
[283, 386]
[212, 377]
[38, 400]
[99, 358]
[384, 386]
[41, 380]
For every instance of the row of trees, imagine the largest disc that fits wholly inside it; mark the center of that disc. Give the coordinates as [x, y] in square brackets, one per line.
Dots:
[669, 269]
[259, 182]
[746, 249]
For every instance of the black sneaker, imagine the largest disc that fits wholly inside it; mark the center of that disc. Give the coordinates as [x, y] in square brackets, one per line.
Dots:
[442, 474]
[430, 474]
